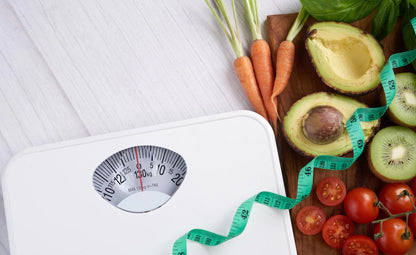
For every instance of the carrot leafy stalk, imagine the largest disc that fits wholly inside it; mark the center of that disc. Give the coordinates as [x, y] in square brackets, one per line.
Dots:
[262, 60]
[242, 63]
[286, 56]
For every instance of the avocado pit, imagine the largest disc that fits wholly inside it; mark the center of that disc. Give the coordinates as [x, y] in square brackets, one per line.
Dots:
[323, 124]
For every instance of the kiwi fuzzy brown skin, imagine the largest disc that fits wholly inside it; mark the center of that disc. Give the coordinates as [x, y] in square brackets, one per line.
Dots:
[295, 148]
[348, 93]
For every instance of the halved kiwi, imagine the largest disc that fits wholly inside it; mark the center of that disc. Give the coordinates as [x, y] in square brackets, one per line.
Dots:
[392, 154]
[402, 110]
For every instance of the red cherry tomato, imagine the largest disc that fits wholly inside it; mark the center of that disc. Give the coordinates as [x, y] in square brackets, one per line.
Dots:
[359, 205]
[392, 241]
[414, 185]
[412, 222]
[331, 191]
[359, 244]
[391, 199]
[336, 230]
[310, 220]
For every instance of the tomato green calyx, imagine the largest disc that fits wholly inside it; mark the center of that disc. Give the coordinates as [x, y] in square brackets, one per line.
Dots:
[378, 235]
[380, 205]
[406, 235]
[404, 193]
[377, 203]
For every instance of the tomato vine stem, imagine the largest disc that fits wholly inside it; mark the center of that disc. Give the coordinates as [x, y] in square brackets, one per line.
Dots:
[406, 234]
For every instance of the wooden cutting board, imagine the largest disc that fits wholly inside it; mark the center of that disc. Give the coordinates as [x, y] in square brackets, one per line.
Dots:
[304, 81]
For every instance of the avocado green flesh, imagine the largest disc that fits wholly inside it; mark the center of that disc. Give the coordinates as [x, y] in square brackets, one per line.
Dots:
[396, 144]
[403, 106]
[293, 124]
[346, 58]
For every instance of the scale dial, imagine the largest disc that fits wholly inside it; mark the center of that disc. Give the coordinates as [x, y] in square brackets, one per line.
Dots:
[141, 178]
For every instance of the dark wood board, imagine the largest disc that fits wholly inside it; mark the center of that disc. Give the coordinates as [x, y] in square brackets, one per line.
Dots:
[304, 81]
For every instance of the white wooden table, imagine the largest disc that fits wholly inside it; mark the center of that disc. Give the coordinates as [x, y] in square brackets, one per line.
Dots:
[71, 69]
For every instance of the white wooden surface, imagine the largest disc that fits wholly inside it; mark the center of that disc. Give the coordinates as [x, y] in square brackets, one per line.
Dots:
[71, 69]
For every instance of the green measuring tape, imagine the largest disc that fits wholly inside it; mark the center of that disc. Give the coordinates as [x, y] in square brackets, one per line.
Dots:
[305, 179]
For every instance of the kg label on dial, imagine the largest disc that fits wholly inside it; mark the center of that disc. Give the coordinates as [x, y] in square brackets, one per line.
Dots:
[141, 178]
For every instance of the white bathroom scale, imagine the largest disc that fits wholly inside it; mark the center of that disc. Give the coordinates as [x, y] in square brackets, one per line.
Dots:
[137, 191]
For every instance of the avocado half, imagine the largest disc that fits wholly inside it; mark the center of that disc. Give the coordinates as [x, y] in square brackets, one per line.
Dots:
[346, 58]
[294, 119]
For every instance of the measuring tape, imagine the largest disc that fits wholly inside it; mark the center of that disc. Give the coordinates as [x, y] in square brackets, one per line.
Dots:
[305, 178]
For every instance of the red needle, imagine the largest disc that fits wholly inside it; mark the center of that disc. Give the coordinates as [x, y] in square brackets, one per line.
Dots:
[138, 168]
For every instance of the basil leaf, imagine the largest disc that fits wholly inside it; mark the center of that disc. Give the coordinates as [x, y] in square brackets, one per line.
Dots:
[409, 36]
[340, 10]
[385, 18]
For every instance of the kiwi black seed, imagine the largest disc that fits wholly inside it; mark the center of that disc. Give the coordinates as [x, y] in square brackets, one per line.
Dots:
[402, 110]
[392, 154]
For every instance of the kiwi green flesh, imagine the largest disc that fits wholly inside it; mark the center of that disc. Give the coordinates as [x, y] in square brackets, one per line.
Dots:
[392, 154]
[403, 107]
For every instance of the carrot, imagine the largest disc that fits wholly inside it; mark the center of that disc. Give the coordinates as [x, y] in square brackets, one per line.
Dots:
[244, 69]
[242, 64]
[286, 56]
[284, 64]
[262, 60]
[263, 68]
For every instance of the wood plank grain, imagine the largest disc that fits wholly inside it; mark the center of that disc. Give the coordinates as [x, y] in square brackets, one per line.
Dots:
[304, 81]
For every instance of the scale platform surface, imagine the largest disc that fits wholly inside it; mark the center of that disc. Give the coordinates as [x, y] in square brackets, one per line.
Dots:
[53, 208]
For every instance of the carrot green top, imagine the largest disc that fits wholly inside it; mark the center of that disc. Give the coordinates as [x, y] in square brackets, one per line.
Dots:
[232, 35]
[302, 17]
[253, 18]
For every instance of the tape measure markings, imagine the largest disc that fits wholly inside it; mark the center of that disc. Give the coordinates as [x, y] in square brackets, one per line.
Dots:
[305, 178]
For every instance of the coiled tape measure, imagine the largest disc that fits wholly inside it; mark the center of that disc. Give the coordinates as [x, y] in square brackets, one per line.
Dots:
[305, 178]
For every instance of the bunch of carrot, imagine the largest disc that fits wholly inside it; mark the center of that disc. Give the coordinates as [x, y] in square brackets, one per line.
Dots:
[257, 74]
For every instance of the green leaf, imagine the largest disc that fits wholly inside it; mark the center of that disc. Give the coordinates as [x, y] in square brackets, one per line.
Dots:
[412, 2]
[409, 36]
[340, 10]
[385, 18]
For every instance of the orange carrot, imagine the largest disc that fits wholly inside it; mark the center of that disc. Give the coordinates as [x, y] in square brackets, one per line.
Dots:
[286, 56]
[263, 68]
[242, 64]
[262, 60]
[284, 64]
[244, 69]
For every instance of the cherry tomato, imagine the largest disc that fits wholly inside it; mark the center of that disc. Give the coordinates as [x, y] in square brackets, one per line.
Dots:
[359, 244]
[336, 230]
[392, 242]
[310, 220]
[412, 222]
[359, 205]
[390, 197]
[331, 191]
[414, 185]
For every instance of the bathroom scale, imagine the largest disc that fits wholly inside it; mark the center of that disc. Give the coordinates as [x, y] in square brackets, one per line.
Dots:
[137, 191]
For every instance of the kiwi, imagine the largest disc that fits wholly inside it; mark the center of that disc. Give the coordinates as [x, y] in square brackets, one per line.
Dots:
[402, 110]
[392, 154]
